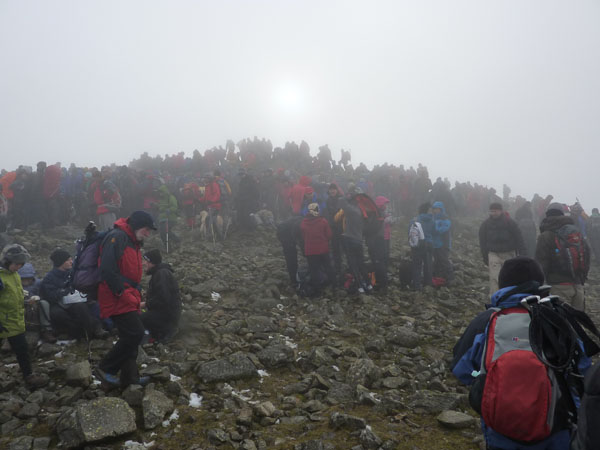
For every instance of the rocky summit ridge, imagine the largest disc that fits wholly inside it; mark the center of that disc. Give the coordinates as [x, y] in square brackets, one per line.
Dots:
[256, 367]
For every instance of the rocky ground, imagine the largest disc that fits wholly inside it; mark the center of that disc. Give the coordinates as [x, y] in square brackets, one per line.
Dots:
[256, 367]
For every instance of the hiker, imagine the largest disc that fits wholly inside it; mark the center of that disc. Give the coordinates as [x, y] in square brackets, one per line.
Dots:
[167, 217]
[108, 201]
[375, 239]
[517, 417]
[593, 231]
[120, 298]
[499, 240]
[528, 227]
[383, 205]
[298, 193]
[316, 234]
[247, 200]
[351, 218]
[32, 285]
[290, 237]
[212, 199]
[74, 318]
[12, 311]
[332, 207]
[163, 302]
[564, 256]
[442, 267]
[587, 435]
[421, 250]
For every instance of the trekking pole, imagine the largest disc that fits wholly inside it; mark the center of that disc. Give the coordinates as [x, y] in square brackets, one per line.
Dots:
[212, 227]
[167, 235]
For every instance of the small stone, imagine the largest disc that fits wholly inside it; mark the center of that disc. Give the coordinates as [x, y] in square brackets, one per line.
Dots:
[455, 419]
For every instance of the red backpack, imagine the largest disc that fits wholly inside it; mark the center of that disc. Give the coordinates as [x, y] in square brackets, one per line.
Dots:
[572, 251]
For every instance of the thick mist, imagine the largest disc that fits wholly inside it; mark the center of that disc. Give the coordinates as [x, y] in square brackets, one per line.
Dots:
[492, 92]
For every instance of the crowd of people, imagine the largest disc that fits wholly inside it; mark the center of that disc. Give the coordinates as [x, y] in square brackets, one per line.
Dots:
[329, 211]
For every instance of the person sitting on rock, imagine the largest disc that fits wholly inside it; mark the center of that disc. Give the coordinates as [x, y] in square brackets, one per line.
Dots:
[163, 301]
[32, 285]
[12, 312]
[74, 318]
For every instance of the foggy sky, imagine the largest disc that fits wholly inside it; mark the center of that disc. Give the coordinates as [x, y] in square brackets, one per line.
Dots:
[487, 91]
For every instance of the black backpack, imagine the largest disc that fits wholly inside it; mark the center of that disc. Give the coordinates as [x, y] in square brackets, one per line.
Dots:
[587, 435]
[85, 275]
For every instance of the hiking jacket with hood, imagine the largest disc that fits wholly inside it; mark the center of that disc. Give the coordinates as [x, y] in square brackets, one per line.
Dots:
[548, 255]
[352, 220]
[12, 306]
[441, 227]
[53, 287]
[163, 292]
[167, 205]
[500, 235]
[426, 221]
[468, 353]
[297, 193]
[120, 271]
[316, 234]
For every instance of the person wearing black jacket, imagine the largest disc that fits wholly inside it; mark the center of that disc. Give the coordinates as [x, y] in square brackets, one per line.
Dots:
[75, 318]
[290, 236]
[500, 239]
[332, 207]
[163, 302]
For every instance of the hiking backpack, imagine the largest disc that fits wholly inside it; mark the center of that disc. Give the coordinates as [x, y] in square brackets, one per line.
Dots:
[572, 251]
[85, 275]
[529, 369]
[224, 190]
[415, 234]
[373, 220]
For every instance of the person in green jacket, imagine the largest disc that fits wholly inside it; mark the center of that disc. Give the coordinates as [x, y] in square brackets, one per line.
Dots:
[167, 216]
[12, 311]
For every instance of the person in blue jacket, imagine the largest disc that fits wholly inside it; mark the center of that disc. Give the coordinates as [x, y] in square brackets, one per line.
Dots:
[519, 277]
[442, 267]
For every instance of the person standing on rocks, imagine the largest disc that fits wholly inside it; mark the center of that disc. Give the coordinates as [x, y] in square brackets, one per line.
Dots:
[442, 267]
[499, 240]
[564, 256]
[316, 234]
[12, 311]
[290, 236]
[163, 302]
[422, 254]
[528, 227]
[517, 418]
[120, 298]
[332, 207]
[593, 231]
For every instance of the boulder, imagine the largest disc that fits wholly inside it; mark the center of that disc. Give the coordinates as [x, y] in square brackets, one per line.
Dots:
[455, 419]
[79, 374]
[89, 422]
[234, 367]
[404, 337]
[276, 355]
[155, 405]
[363, 371]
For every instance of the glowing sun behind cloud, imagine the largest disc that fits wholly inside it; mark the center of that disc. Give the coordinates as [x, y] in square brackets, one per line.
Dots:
[290, 98]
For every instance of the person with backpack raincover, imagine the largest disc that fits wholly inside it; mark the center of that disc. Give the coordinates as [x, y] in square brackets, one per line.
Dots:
[421, 250]
[120, 298]
[524, 358]
[564, 256]
[12, 311]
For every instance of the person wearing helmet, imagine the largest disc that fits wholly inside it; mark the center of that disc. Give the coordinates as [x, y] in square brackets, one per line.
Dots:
[12, 311]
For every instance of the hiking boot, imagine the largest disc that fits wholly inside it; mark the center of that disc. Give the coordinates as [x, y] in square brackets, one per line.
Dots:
[105, 377]
[48, 336]
[100, 333]
[143, 381]
[36, 380]
[361, 290]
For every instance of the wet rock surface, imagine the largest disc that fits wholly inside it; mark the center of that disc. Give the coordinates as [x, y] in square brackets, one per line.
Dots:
[256, 367]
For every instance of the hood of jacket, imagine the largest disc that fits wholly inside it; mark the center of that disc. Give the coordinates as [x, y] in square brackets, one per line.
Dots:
[122, 224]
[439, 205]
[554, 223]
[510, 296]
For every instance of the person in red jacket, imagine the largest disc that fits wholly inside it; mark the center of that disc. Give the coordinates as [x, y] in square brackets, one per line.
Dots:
[119, 296]
[212, 198]
[297, 194]
[316, 234]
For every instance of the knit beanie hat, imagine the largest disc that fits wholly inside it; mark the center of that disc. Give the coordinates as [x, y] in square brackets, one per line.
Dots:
[153, 256]
[313, 209]
[59, 256]
[496, 207]
[519, 270]
[141, 219]
[555, 209]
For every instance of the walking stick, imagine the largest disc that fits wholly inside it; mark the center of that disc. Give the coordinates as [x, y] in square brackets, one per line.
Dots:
[167, 235]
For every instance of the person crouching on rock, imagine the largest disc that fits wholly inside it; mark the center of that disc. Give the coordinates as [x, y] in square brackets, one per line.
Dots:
[12, 311]
[163, 302]
[316, 234]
